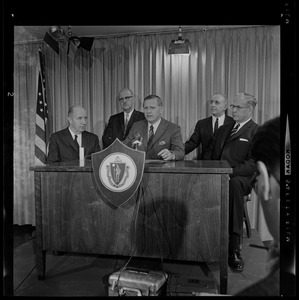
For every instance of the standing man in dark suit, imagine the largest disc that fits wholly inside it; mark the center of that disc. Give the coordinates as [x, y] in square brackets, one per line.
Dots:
[159, 138]
[120, 124]
[205, 129]
[64, 144]
[233, 143]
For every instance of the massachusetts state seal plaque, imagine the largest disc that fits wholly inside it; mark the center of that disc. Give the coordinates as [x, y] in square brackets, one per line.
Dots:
[117, 172]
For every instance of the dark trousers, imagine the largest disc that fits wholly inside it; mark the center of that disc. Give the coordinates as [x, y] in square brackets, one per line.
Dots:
[239, 187]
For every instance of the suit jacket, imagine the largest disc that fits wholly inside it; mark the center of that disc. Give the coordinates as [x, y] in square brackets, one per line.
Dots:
[234, 149]
[203, 135]
[167, 136]
[116, 128]
[62, 146]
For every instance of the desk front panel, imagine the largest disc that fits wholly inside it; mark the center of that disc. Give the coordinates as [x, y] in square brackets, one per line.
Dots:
[175, 216]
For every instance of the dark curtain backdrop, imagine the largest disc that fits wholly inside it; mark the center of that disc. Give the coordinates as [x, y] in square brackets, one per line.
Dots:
[222, 60]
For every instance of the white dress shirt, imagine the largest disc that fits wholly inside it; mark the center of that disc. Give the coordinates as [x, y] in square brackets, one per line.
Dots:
[220, 121]
[79, 137]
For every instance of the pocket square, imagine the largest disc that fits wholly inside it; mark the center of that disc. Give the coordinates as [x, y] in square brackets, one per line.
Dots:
[244, 140]
[162, 143]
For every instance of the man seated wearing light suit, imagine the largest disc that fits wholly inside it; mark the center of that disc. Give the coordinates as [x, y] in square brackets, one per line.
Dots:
[163, 141]
[205, 129]
[233, 143]
[120, 124]
[63, 146]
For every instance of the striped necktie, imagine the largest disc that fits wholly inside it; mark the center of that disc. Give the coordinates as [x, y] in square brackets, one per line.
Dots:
[151, 135]
[235, 129]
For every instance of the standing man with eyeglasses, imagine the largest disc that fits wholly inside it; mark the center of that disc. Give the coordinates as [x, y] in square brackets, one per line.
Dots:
[233, 143]
[120, 124]
[205, 129]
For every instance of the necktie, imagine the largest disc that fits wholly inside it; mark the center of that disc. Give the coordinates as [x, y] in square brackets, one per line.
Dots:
[235, 129]
[76, 142]
[126, 121]
[216, 126]
[151, 134]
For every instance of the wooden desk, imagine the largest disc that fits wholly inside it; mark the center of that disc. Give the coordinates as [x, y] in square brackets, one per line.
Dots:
[180, 212]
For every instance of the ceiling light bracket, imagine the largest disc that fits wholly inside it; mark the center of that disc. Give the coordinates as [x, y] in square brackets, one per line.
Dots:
[179, 46]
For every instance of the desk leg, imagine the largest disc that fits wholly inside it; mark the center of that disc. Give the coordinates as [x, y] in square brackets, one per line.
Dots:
[41, 265]
[224, 233]
[223, 278]
[40, 253]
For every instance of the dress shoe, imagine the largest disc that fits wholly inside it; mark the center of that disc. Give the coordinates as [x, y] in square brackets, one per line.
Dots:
[236, 262]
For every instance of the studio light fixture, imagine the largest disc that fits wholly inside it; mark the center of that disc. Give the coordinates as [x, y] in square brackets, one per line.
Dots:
[51, 42]
[52, 37]
[80, 42]
[56, 31]
[179, 46]
[73, 42]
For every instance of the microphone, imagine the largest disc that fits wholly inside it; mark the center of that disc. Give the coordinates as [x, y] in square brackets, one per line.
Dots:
[137, 140]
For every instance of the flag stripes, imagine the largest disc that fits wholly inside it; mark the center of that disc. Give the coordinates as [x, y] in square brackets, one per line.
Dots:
[40, 123]
[40, 144]
[41, 127]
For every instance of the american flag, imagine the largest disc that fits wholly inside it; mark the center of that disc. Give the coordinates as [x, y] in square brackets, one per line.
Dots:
[42, 126]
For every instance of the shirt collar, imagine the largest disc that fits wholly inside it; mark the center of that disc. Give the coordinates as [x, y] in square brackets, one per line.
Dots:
[242, 124]
[73, 134]
[128, 114]
[220, 119]
[156, 124]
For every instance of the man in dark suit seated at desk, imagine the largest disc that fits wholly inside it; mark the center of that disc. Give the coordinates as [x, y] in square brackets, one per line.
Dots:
[120, 124]
[159, 138]
[65, 144]
[232, 143]
[205, 129]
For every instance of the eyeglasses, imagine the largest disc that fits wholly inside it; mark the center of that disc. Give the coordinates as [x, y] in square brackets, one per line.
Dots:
[237, 107]
[125, 98]
[216, 102]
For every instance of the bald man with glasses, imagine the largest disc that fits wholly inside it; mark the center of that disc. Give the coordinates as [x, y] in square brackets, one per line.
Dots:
[233, 143]
[120, 124]
[205, 129]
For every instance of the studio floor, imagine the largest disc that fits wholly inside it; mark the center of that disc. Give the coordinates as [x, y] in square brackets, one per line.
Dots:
[87, 275]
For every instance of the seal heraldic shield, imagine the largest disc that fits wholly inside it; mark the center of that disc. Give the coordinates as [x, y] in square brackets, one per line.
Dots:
[117, 172]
